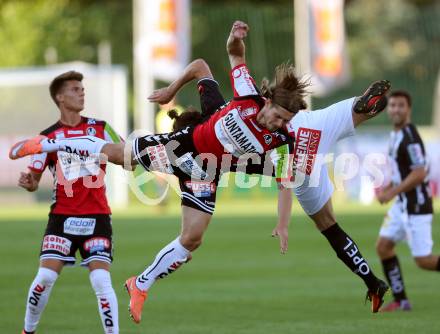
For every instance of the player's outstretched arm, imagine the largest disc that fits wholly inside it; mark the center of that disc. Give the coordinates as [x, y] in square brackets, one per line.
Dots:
[235, 44]
[29, 180]
[416, 177]
[284, 213]
[196, 70]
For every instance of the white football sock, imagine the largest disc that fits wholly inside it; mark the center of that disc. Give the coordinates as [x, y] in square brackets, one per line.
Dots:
[168, 260]
[107, 301]
[38, 296]
[80, 145]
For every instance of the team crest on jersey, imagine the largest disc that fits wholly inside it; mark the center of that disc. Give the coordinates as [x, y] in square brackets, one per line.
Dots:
[91, 131]
[280, 136]
[267, 139]
[91, 121]
[306, 149]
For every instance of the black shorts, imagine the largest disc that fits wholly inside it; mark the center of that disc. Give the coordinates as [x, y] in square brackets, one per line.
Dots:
[211, 99]
[174, 153]
[91, 234]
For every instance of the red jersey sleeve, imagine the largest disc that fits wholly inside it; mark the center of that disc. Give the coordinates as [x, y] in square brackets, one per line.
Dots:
[242, 82]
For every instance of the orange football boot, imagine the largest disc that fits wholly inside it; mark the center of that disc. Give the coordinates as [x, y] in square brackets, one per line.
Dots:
[26, 147]
[137, 299]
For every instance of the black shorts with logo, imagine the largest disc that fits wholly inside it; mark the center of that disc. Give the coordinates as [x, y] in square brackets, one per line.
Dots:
[90, 234]
[174, 153]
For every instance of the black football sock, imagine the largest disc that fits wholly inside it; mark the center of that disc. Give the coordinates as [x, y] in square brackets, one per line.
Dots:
[348, 252]
[393, 273]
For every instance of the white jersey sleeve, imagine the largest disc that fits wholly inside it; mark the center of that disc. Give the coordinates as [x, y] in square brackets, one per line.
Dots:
[242, 82]
[38, 162]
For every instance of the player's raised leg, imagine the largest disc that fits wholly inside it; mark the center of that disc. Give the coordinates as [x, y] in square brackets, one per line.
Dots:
[169, 258]
[371, 103]
[115, 153]
[41, 144]
[39, 292]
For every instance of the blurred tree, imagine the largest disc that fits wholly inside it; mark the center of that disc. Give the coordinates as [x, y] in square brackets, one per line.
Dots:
[73, 28]
[398, 40]
[377, 43]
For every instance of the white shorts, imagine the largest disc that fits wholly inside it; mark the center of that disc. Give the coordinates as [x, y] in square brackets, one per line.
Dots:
[398, 225]
[317, 132]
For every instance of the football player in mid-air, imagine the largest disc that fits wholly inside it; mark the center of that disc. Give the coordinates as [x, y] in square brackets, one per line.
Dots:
[79, 218]
[252, 123]
[410, 217]
[316, 132]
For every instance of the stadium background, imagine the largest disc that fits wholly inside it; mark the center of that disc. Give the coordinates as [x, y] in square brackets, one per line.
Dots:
[239, 283]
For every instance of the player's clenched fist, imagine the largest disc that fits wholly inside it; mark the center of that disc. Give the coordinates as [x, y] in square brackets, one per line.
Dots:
[239, 30]
[235, 45]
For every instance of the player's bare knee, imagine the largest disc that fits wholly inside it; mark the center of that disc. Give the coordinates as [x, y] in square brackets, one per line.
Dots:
[380, 250]
[190, 242]
[324, 221]
[323, 225]
[384, 248]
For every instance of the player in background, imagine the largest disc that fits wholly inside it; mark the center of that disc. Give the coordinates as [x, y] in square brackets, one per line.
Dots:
[79, 217]
[410, 216]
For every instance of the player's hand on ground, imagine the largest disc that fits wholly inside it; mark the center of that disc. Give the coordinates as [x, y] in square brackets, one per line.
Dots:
[282, 233]
[161, 96]
[27, 182]
[239, 30]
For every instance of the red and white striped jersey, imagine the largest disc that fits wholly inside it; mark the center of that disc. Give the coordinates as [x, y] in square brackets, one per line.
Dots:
[233, 128]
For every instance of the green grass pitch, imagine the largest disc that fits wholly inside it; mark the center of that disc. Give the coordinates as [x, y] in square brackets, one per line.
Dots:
[237, 282]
